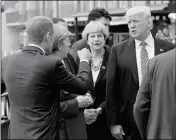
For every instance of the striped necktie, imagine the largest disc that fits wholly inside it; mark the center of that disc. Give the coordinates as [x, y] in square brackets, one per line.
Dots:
[144, 56]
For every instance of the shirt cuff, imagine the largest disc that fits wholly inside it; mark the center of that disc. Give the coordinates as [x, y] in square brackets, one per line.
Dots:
[84, 60]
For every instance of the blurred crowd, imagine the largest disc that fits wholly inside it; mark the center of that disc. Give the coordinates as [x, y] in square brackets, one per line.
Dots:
[168, 31]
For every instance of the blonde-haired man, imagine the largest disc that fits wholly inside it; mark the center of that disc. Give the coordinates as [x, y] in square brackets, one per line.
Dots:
[125, 69]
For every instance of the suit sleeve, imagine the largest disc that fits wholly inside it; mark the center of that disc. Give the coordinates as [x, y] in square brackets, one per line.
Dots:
[3, 87]
[64, 96]
[103, 106]
[68, 82]
[143, 102]
[112, 103]
[69, 108]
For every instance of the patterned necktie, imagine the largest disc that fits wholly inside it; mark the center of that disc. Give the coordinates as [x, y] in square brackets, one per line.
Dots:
[144, 56]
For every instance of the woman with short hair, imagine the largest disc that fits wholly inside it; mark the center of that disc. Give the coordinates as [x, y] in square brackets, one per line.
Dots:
[95, 115]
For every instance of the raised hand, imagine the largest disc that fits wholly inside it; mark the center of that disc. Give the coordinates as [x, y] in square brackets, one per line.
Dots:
[85, 54]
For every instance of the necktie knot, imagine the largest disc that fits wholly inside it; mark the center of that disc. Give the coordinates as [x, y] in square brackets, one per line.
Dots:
[143, 44]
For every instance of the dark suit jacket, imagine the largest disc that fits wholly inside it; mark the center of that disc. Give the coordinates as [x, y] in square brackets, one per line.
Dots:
[155, 107]
[72, 114]
[31, 79]
[99, 129]
[123, 84]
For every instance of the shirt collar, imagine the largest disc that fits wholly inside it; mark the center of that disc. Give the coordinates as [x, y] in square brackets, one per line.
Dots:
[34, 45]
[149, 41]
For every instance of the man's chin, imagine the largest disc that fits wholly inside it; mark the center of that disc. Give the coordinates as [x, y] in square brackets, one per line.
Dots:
[135, 36]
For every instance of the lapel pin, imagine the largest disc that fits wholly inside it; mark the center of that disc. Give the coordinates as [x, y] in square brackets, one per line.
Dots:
[161, 50]
[103, 67]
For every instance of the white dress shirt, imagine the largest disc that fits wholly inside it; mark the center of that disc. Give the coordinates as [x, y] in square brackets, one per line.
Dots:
[37, 47]
[151, 53]
[95, 75]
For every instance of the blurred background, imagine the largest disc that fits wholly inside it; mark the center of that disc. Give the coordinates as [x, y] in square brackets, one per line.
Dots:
[15, 14]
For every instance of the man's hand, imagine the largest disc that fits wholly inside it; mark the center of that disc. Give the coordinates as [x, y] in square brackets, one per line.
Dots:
[99, 111]
[84, 101]
[90, 115]
[85, 55]
[117, 132]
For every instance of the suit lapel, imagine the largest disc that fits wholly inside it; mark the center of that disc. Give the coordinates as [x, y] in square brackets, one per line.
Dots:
[158, 47]
[130, 57]
[66, 61]
[103, 66]
[69, 65]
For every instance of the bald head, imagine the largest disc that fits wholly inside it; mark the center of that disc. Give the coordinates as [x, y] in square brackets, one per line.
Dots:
[37, 28]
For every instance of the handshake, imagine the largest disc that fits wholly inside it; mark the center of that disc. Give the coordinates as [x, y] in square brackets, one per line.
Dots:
[91, 115]
[84, 100]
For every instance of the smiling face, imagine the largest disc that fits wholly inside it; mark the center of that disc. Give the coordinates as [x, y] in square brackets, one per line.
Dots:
[96, 40]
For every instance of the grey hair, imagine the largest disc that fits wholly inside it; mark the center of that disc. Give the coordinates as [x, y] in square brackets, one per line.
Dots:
[95, 26]
[60, 33]
[140, 9]
[38, 27]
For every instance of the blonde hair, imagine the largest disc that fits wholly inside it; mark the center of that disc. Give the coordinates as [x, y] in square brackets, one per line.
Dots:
[60, 33]
[95, 26]
[140, 9]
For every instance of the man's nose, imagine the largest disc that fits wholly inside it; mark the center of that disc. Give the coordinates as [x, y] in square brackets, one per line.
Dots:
[132, 25]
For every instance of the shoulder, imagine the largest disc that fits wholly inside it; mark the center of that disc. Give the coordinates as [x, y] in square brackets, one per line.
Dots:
[122, 45]
[50, 62]
[164, 57]
[9, 58]
[168, 45]
[162, 62]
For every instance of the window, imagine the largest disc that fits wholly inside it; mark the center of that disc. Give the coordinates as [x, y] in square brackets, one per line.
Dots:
[111, 4]
[91, 5]
[54, 8]
[139, 3]
[123, 4]
[75, 6]
[81, 6]
[165, 1]
[158, 2]
[152, 2]
[95, 3]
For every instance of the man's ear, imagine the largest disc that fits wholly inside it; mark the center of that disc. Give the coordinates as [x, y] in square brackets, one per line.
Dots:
[48, 36]
[150, 23]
